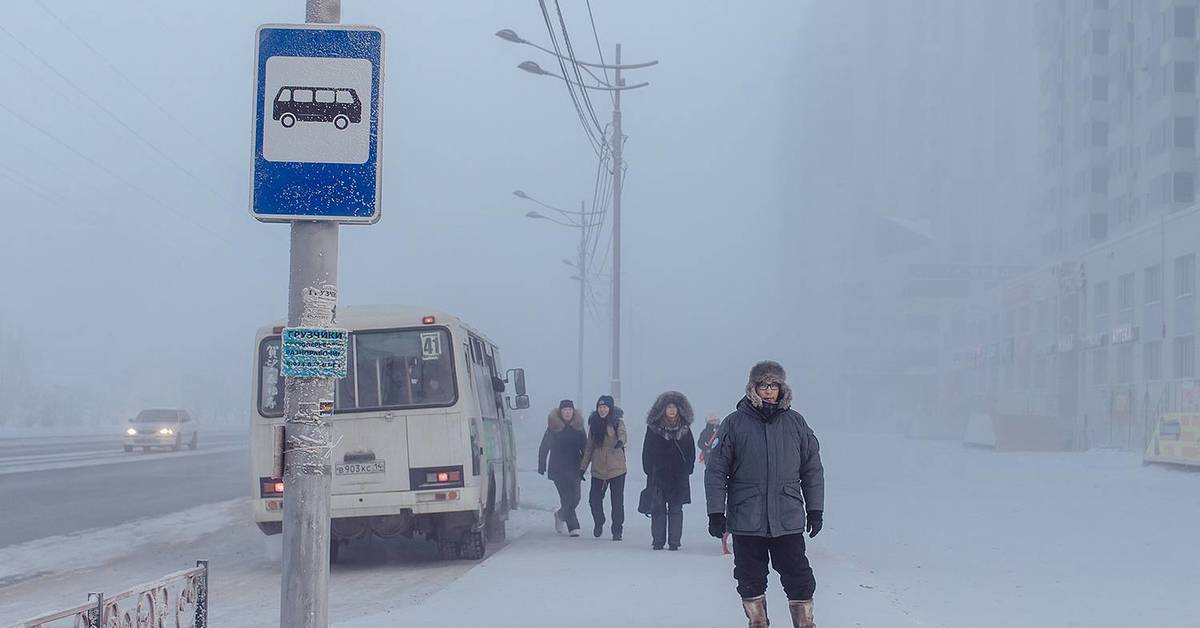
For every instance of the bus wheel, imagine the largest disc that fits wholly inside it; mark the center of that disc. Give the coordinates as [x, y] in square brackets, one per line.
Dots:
[341, 122]
[474, 545]
[447, 550]
[287, 120]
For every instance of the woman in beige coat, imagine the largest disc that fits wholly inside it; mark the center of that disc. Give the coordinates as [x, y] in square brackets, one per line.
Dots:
[605, 453]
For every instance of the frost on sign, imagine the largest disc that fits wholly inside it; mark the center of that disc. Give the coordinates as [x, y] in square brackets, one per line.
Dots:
[314, 352]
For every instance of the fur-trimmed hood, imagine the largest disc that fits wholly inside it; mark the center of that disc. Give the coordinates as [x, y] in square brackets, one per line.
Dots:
[659, 409]
[556, 423]
[770, 372]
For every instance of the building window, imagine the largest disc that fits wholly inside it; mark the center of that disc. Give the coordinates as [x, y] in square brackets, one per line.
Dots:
[1153, 284]
[1185, 22]
[1185, 275]
[1099, 42]
[1185, 77]
[1099, 134]
[1100, 299]
[1100, 366]
[1099, 180]
[1125, 292]
[1185, 357]
[1125, 363]
[1185, 189]
[1185, 132]
[1152, 360]
[1100, 88]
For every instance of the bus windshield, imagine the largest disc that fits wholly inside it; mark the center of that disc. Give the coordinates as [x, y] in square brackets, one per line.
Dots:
[390, 369]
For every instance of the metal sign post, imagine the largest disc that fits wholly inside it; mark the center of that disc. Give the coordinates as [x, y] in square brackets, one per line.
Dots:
[316, 158]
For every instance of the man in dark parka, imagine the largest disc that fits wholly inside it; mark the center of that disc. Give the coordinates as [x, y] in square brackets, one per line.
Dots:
[764, 483]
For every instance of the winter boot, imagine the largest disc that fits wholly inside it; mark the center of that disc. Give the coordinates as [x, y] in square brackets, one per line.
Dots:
[575, 532]
[802, 613]
[756, 611]
[560, 526]
[598, 530]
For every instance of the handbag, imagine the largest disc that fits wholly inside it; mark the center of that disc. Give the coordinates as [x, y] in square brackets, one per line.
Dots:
[650, 497]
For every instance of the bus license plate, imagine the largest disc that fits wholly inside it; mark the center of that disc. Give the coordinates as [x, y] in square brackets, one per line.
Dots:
[358, 468]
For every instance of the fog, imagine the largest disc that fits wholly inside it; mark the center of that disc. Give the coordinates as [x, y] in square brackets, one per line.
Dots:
[139, 277]
[966, 228]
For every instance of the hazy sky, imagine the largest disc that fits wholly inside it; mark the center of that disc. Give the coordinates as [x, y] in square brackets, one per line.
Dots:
[136, 275]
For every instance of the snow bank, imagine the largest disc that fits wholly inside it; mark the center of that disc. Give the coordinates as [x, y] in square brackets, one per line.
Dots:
[59, 554]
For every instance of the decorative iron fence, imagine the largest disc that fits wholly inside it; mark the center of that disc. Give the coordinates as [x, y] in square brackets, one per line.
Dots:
[178, 600]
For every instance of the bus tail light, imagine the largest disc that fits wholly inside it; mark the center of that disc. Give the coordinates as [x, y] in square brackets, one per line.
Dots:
[428, 320]
[270, 487]
[436, 477]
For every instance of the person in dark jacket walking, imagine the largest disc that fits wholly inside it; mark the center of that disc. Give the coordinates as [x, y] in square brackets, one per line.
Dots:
[708, 436]
[605, 452]
[564, 442]
[765, 484]
[668, 458]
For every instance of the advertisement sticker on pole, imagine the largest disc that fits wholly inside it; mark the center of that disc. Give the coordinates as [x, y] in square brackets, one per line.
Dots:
[317, 113]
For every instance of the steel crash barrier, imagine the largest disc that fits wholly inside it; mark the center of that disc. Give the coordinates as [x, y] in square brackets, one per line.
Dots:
[177, 600]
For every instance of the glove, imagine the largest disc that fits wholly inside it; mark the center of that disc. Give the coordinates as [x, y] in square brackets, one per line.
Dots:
[618, 445]
[813, 525]
[716, 525]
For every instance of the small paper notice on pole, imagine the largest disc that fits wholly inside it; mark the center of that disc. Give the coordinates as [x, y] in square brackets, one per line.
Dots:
[314, 352]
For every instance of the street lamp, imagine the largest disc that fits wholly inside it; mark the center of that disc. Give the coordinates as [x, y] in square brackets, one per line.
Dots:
[584, 225]
[617, 144]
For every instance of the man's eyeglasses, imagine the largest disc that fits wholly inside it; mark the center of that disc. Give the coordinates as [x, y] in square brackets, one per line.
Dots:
[765, 386]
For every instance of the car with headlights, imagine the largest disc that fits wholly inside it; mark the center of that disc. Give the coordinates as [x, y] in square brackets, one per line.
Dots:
[170, 428]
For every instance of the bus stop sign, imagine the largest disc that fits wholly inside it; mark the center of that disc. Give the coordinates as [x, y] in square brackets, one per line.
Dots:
[318, 99]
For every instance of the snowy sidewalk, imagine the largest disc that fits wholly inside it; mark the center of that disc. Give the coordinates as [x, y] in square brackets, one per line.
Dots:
[545, 579]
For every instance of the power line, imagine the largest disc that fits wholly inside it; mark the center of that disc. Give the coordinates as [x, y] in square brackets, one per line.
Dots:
[587, 98]
[133, 84]
[596, 144]
[114, 116]
[111, 173]
[596, 35]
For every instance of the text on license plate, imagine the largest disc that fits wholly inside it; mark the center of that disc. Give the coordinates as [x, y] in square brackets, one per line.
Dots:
[355, 468]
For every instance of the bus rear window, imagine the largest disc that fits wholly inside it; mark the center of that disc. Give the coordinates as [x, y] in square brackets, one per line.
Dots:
[394, 369]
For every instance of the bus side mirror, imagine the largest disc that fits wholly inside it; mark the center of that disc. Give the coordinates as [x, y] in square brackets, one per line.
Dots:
[517, 377]
[522, 402]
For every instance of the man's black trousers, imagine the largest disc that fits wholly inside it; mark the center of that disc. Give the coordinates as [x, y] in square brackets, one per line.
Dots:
[785, 554]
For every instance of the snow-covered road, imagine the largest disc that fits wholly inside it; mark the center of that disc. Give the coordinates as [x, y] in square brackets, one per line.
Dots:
[917, 533]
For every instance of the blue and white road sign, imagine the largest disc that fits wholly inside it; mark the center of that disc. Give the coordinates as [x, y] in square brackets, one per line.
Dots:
[317, 106]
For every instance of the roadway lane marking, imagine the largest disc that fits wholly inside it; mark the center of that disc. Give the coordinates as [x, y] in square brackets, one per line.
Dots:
[118, 458]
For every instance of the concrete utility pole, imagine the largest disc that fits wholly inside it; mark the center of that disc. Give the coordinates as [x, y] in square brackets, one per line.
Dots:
[617, 141]
[582, 267]
[312, 300]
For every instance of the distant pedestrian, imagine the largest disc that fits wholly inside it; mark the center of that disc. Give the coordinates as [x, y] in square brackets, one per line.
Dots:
[564, 442]
[708, 436]
[765, 484]
[605, 453]
[668, 458]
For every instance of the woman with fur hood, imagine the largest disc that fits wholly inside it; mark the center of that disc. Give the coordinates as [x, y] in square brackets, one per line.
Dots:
[564, 442]
[669, 457]
[605, 453]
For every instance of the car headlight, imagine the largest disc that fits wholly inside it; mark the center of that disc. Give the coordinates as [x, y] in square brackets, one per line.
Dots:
[131, 432]
[166, 431]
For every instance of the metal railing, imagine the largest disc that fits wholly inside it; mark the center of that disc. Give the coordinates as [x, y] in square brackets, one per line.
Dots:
[177, 600]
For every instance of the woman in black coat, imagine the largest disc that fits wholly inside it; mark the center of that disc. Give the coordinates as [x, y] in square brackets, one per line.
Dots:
[668, 458]
[563, 443]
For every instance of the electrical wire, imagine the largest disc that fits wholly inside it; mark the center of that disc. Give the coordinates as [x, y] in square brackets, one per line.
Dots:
[128, 81]
[115, 118]
[583, 120]
[587, 98]
[596, 36]
[114, 175]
